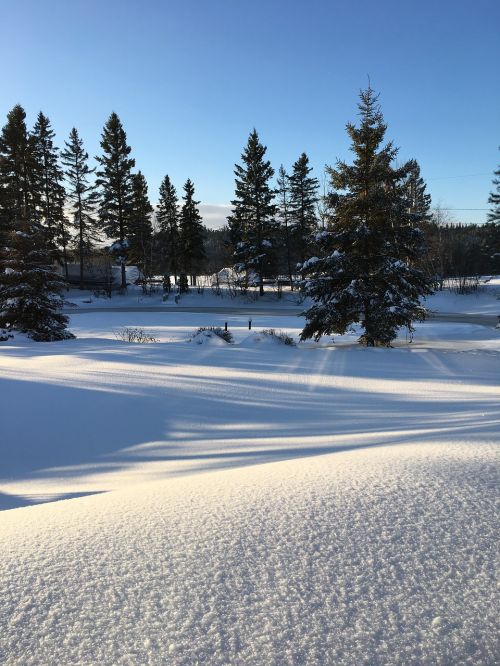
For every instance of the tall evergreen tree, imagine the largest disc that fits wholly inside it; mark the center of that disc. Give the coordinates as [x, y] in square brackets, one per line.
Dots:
[366, 273]
[140, 226]
[252, 223]
[303, 202]
[191, 234]
[283, 211]
[167, 217]
[50, 193]
[114, 179]
[494, 200]
[17, 170]
[29, 287]
[82, 197]
[419, 201]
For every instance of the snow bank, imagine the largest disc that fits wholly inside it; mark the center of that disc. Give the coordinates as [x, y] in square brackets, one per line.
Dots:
[208, 337]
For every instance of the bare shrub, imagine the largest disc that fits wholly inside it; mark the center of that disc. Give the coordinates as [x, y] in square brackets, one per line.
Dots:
[139, 335]
[284, 338]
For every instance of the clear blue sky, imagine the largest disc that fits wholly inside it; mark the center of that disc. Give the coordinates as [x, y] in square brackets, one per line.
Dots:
[190, 79]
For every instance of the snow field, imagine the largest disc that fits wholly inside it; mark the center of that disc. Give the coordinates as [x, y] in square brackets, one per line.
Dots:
[346, 511]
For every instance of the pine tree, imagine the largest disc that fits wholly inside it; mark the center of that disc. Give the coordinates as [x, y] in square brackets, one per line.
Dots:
[167, 216]
[29, 287]
[50, 194]
[115, 183]
[366, 273]
[419, 201]
[494, 200]
[283, 211]
[252, 223]
[303, 202]
[30, 296]
[17, 166]
[191, 234]
[140, 226]
[82, 196]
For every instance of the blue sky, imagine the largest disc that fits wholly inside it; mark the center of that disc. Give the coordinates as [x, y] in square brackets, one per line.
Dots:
[190, 79]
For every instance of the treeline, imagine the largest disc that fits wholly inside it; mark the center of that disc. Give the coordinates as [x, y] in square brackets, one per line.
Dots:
[458, 254]
[57, 208]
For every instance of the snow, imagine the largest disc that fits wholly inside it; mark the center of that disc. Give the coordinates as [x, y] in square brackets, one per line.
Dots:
[485, 301]
[248, 503]
[208, 337]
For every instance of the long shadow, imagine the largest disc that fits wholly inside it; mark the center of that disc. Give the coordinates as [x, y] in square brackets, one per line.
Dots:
[8, 502]
[58, 430]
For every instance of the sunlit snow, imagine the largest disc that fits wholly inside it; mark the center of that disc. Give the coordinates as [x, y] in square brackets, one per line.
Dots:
[248, 503]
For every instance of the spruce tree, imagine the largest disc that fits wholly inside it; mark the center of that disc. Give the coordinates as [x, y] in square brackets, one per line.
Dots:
[16, 175]
[191, 234]
[366, 271]
[17, 171]
[252, 223]
[29, 286]
[303, 202]
[140, 226]
[419, 201]
[283, 211]
[50, 193]
[30, 295]
[494, 200]
[82, 197]
[167, 217]
[115, 182]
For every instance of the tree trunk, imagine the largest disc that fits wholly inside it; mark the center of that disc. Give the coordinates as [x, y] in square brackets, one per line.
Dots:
[124, 278]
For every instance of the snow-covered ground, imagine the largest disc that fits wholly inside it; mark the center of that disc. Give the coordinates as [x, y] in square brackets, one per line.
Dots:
[248, 503]
[485, 301]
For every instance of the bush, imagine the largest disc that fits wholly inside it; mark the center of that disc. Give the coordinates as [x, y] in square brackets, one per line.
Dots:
[284, 338]
[216, 330]
[5, 335]
[135, 335]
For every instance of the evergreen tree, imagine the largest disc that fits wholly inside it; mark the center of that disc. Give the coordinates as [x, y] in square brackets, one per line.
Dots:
[167, 216]
[303, 202]
[30, 295]
[115, 183]
[283, 210]
[17, 168]
[82, 196]
[29, 287]
[494, 200]
[252, 223]
[191, 234]
[366, 273]
[49, 188]
[140, 226]
[419, 201]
